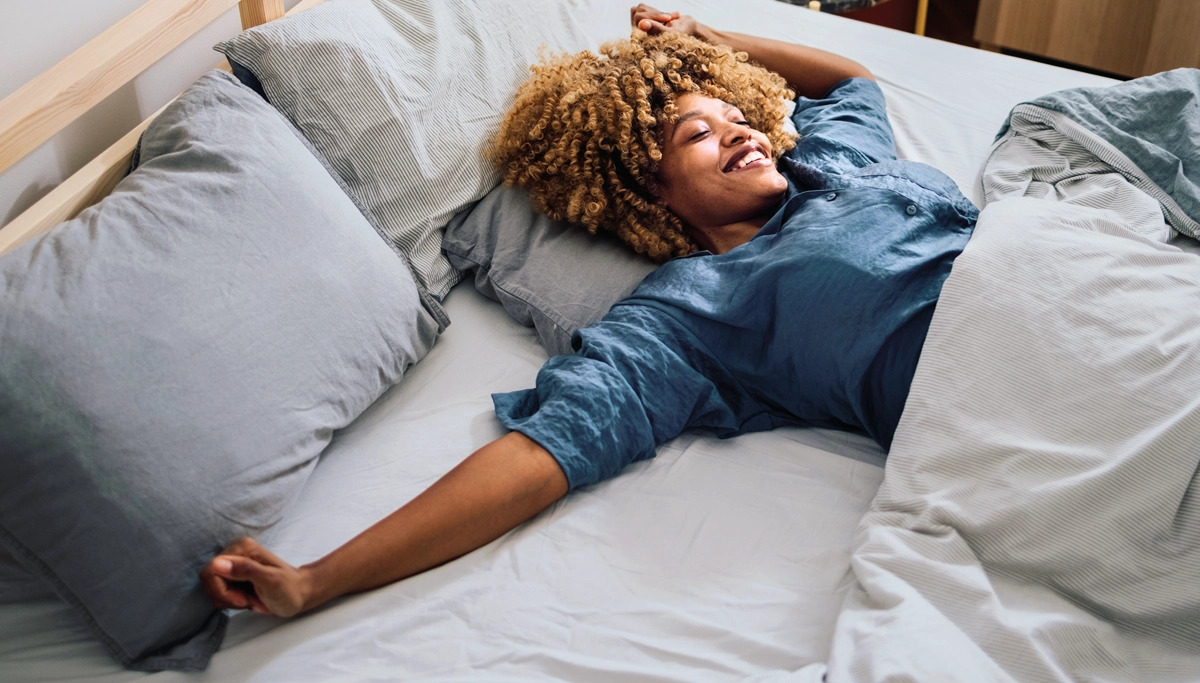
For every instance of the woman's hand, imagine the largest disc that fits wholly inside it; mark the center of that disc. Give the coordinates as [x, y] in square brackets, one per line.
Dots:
[654, 22]
[487, 495]
[248, 576]
[810, 72]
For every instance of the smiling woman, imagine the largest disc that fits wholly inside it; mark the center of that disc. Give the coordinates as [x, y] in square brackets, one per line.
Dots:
[610, 107]
[593, 136]
[718, 174]
[822, 260]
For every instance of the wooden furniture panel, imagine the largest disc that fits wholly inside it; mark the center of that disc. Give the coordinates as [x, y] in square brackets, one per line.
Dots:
[256, 12]
[1110, 35]
[1118, 36]
[1023, 26]
[94, 181]
[1175, 39]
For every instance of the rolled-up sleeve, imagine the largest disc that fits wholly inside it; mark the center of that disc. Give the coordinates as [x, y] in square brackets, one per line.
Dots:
[636, 380]
[846, 129]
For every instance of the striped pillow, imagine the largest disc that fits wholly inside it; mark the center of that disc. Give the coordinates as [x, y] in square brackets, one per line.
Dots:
[401, 96]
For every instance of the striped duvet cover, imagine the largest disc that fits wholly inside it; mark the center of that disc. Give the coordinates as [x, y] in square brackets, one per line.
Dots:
[1040, 514]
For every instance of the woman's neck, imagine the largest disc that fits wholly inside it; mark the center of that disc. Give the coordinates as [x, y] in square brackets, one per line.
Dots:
[722, 238]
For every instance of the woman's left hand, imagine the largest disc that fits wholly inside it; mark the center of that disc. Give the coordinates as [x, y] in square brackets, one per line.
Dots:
[654, 22]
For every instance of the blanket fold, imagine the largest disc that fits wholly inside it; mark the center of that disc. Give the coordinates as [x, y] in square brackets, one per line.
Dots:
[1039, 518]
[1144, 133]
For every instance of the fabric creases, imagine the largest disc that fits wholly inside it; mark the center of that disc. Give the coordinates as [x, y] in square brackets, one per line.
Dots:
[401, 97]
[1039, 518]
[816, 320]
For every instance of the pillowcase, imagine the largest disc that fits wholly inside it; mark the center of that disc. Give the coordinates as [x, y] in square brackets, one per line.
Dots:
[18, 584]
[549, 275]
[402, 96]
[173, 361]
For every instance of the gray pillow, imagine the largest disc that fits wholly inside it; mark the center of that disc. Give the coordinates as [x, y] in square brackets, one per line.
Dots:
[173, 361]
[552, 276]
[18, 584]
[402, 96]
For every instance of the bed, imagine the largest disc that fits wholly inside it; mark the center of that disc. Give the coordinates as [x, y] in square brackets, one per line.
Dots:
[718, 560]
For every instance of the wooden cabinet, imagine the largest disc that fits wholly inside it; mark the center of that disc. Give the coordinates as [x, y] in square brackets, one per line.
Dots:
[1127, 37]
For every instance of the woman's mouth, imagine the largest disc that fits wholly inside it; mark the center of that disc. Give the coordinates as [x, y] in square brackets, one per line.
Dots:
[751, 159]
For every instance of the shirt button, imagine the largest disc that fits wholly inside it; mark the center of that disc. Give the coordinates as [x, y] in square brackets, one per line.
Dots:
[831, 196]
[911, 209]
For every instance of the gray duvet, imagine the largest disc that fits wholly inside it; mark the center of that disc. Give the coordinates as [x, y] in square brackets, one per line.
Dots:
[1040, 514]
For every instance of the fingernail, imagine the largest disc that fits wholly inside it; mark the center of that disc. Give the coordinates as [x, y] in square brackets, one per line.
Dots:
[222, 565]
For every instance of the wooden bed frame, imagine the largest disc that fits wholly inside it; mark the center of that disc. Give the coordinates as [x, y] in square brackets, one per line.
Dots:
[64, 92]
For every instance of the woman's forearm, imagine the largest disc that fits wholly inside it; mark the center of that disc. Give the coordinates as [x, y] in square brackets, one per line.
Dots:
[498, 487]
[810, 72]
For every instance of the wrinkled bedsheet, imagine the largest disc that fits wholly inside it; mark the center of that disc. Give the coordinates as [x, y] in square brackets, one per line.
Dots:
[1039, 518]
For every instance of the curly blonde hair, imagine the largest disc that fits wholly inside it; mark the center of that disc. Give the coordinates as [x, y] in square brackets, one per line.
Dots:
[583, 134]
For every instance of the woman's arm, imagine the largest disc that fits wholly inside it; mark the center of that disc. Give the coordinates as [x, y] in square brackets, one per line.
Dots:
[498, 487]
[810, 72]
[635, 382]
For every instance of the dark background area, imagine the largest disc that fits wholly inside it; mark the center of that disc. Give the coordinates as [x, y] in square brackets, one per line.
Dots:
[949, 20]
[952, 20]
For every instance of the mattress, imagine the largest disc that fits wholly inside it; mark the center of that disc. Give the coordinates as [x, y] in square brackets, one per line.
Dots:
[718, 560]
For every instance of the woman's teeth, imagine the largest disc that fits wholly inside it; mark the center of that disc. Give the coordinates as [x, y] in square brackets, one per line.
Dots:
[749, 158]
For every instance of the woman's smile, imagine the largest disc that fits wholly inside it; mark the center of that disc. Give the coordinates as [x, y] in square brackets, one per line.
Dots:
[712, 135]
[749, 155]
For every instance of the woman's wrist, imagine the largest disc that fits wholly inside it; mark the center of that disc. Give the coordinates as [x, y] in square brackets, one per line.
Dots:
[734, 41]
[705, 33]
[314, 586]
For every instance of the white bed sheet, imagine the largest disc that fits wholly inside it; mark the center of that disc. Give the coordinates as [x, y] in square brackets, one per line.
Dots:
[715, 561]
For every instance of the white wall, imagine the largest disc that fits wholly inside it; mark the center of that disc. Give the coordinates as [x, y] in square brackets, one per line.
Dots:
[36, 34]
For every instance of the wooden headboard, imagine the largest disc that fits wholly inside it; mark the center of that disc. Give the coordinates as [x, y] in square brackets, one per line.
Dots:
[64, 92]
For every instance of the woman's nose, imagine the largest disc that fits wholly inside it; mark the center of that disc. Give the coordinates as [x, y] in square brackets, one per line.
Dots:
[735, 135]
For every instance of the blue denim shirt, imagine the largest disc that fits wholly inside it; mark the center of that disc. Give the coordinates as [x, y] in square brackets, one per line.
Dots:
[817, 320]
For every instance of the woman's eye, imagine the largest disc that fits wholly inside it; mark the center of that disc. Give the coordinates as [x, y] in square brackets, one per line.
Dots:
[697, 135]
[743, 123]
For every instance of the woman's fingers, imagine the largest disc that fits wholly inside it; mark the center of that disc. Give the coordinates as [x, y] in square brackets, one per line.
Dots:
[258, 605]
[234, 568]
[233, 579]
[645, 10]
[220, 592]
[649, 19]
[248, 547]
[254, 578]
[652, 27]
[654, 22]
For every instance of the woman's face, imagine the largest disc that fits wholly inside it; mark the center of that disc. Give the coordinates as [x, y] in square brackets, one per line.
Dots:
[715, 169]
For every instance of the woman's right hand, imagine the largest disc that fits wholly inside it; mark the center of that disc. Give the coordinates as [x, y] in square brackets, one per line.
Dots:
[654, 22]
[248, 576]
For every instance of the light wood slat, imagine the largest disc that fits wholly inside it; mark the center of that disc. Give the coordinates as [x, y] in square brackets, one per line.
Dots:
[256, 12]
[306, 4]
[47, 104]
[89, 184]
[85, 187]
